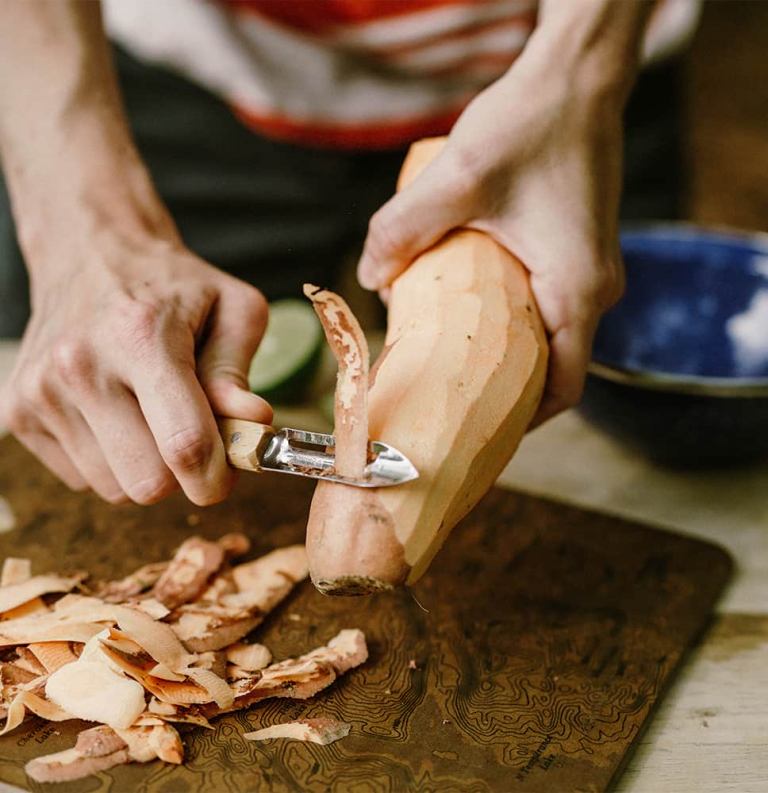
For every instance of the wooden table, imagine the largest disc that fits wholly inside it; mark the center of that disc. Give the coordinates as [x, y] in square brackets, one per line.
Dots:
[711, 732]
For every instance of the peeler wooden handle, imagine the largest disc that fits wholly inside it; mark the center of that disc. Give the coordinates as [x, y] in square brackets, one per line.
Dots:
[245, 442]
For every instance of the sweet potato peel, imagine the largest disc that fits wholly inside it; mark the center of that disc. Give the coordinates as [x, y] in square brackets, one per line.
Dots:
[350, 348]
[321, 730]
[160, 646]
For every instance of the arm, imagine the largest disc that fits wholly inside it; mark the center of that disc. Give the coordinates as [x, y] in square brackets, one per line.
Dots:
[535, 161]
[134, 342]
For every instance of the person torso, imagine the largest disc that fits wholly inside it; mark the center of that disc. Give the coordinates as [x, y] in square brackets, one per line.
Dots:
[366, 74]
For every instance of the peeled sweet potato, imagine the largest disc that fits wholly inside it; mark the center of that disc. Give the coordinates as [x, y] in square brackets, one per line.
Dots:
[460, 377]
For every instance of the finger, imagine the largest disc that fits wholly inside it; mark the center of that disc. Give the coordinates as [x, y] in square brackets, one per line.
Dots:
[569, 353]
[48, 450]
[129, 447]
[237, 325]
[410, 222]
[181, 421]
[571, 302]
[78, 442]
[25, 423]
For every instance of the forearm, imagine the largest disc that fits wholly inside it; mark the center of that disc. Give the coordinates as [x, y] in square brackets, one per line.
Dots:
[594, 43]
[67, 154]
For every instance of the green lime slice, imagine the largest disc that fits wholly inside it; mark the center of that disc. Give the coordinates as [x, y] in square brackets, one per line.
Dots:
[327, 405]
[289, 354]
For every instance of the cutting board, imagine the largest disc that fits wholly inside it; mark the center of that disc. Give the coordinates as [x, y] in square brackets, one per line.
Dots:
[541, 640]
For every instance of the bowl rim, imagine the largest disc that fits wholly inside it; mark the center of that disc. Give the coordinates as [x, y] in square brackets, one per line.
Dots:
[696, 385]
[730, 387]
[689, 230]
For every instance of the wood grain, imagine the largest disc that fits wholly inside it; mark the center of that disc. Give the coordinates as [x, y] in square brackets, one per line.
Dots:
[548, 637]
[710, 731]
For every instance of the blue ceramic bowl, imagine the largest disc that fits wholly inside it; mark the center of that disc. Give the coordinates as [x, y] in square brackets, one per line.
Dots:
[680, 365]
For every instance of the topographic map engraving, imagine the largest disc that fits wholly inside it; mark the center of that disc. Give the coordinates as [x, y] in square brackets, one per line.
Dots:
[541, 640]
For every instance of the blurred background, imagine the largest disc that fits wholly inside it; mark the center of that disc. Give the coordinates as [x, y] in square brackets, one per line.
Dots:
[725, 116]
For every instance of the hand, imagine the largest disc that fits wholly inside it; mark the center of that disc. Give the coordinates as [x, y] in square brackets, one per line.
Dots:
[535, 162]
[131, 349]
[134, 343]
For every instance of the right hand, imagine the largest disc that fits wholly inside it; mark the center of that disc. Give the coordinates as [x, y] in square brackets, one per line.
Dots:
[130, 351]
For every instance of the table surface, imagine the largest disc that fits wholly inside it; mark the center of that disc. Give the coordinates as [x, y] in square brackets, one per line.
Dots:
[710, 733]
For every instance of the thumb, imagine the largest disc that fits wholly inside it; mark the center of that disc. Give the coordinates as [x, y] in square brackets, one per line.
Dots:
[237, 325]
[409, 223]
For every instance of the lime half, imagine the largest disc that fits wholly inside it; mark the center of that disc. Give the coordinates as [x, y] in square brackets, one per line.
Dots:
[287, 359]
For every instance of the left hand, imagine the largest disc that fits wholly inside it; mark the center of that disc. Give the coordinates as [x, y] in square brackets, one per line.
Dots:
[534, 161]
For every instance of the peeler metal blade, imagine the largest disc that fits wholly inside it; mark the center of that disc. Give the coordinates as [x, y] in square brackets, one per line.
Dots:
[311, 454]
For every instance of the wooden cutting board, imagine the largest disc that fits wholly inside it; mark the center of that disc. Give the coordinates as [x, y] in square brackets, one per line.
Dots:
[542, 638]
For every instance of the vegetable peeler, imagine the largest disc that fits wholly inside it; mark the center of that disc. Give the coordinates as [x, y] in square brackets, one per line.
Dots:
[258, 447]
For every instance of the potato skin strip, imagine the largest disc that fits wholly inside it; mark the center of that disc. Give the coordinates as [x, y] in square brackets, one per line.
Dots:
[299, 678]
[350, 348]
[204, 686]
[266, 571]
[28, 701]
[15, 595]
[321, 730]
[156, 638]
[249, 657]
[196, 561]
[13, 675]
[261, 585]
[167, 744]
[62, 632]
[99, 741]
[124, 666]
[53, 655]
[217, 689]
[93, 691]
[132, 585]
[15, 571]
[69, 765]
[35, 606]
[101, 748]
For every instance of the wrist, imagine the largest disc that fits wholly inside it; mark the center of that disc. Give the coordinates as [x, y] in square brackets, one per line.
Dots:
[85, 182]
[594, 44]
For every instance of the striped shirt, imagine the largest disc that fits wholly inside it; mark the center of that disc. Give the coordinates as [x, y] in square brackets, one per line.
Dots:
[367, 74]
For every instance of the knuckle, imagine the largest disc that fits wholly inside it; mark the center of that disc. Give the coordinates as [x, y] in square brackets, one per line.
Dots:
[252, 306]
[140, 321]
[73, 361]
[467, 168]
[187, 450]
[37, 389]
[254, 300]
[151, 490]
[116, 497]
[603, 287]
[567, 397]
[592, 292]
[15, 416]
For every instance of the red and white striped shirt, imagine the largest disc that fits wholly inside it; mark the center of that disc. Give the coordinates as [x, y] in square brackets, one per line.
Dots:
[344, 73]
